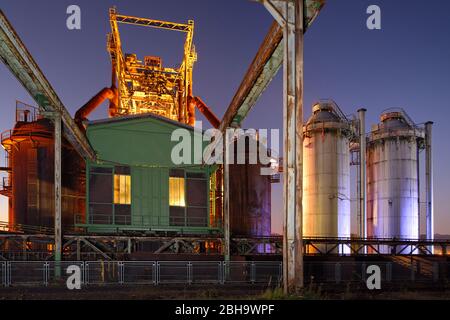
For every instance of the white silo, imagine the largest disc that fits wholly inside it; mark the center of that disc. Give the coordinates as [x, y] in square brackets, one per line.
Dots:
[392, 177]
[326, 173]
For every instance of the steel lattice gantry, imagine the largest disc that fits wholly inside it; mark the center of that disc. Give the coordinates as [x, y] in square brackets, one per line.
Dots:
[150, 87]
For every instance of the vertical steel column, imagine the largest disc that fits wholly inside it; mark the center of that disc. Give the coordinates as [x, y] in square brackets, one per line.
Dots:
[290, 15]
[226, 196]
[78, 250]
[297, 129]
[58, 240]
[362, 173]
[429, 182]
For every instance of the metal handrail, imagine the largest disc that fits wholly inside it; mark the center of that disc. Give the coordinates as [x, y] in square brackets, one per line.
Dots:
[335, 106]
[145, 221]
[403, 113]
[6, 135]
[5, 185]
[23, 228]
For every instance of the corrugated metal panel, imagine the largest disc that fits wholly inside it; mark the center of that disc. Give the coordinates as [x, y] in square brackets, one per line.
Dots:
[150, 203]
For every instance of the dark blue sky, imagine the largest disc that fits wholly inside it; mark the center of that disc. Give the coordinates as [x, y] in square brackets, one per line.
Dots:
[405, 64]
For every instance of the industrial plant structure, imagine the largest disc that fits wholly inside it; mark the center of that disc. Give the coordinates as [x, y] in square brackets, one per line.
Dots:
[120, 189]
[132, 184]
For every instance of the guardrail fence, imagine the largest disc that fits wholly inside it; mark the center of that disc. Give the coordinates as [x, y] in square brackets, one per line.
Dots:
[44, 273]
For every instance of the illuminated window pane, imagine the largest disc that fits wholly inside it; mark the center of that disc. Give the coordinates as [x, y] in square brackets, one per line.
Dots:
[176, 192]
[122, 189]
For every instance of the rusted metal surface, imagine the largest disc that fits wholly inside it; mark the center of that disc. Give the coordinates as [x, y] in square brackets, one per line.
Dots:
[20, 62]
[57, 183]
[206, 111]
[250, 196]
[253, 74]
[226, 199]
[290, 15]
[263, 68]
[106, 93]
[31, 156]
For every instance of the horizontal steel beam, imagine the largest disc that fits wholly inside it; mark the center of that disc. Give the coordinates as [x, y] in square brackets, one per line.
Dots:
[153, 23]
[16, 57]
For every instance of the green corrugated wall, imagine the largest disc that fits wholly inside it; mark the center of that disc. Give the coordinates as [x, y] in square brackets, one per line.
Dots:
[144, 144]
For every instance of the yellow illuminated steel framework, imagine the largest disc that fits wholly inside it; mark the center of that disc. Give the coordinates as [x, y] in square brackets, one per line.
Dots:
[122, 189]
[150, 87]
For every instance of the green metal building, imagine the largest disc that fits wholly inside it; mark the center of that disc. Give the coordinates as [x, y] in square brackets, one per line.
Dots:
[135, 186]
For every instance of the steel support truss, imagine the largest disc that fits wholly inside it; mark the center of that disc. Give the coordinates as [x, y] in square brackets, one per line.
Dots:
[115, 247]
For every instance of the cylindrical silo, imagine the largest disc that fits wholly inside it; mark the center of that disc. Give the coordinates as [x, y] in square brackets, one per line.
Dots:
[326, 173]
[250, 193]
[31, 156]
[392, 177]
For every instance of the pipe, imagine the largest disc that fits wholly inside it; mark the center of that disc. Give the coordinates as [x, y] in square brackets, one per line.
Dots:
[191, 113]
[206, 111]
[106, 93]
[362, 172]
[429, 181]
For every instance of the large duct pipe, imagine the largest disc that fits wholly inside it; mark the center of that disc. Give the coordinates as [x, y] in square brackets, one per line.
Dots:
[106, 93]
[429, 182]
[206, 111]
[362, 172]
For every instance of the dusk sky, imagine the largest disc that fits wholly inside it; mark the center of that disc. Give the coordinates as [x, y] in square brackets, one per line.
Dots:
[405, 64]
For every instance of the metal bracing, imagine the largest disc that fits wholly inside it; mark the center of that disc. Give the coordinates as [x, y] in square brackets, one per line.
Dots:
[20, 62]
[264, 67]
[110, 247]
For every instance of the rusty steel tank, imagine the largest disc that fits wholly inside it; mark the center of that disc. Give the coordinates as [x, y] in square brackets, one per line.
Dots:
[250, 195]
[326, 172]
[30, 148]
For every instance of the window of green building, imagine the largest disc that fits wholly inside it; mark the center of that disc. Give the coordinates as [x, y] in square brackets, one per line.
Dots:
[110, 195]
[122, 195]
[122, 189]
[188, 198]
[176, 192]
[100, 195]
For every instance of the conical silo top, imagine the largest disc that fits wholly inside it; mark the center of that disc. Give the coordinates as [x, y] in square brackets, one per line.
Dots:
[391, 119]
[323, 112]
